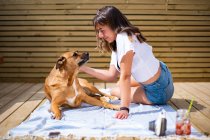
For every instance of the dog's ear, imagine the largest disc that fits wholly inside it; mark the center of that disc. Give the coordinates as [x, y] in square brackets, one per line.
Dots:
[60, 62]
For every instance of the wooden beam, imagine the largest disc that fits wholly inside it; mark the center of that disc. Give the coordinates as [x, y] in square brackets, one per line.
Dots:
[1, 59]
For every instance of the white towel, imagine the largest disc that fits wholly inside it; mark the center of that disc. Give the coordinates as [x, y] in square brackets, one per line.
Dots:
[94, 121]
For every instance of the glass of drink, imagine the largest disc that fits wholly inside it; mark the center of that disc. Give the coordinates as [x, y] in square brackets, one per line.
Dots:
[183, 125]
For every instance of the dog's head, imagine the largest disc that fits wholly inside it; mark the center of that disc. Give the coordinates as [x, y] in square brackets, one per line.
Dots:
[72, 60]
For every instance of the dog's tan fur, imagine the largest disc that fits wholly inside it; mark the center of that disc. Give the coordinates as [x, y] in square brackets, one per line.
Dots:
[62, 87]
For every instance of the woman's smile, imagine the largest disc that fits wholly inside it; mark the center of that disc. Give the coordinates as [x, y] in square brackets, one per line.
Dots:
[106, 33]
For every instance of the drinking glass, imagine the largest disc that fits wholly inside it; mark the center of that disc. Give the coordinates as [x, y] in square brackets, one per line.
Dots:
[183, 125]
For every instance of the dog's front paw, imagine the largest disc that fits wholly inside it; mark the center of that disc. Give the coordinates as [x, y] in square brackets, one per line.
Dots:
[111, 106]
[113, 98]
[104, 99]
[56, 116]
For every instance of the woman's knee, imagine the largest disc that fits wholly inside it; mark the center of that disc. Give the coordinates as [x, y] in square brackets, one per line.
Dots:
[115, 92]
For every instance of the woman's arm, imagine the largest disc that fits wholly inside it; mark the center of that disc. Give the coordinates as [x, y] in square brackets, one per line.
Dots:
[125, 83]
[125, 78]
[109, 75]
[134, 83]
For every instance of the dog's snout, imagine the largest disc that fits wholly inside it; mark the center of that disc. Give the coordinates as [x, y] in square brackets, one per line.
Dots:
[85, 55]
[84, 58]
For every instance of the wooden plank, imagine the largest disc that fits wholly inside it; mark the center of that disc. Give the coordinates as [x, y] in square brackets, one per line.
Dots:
[11, 87]
[175, 71]
[50, 33]
[93, 44]
[80, 2]
[96, 60]
[92, 34]
[41, 75]
[48, 65]
[181, 59]
[15, 93]
[197, 118]
[188, 7]
[53, 60]
[53, 39]
[187, 55]
[18, 101]
[93, 39]
[45, 65]
[191, 79]
[189, 70]
[89, 17]
[93, 12]
[190, 76]
[77, 23]
[19, 75]
[95, 54]
[49, 28]
[47, 23]
[92, 79]
[56, 55]
[93, 49]
[91, 28]
[50, 49]
[40, 44]
[199, 103]
[202, 89]
[79, 6]
[188, 1]
[103, 60]
[183, 39]
[1, 59]
[197, 93]
[21, 113]
[188, 65]
[47, 70]
[205, 86]
[25, 70]
[3, 85]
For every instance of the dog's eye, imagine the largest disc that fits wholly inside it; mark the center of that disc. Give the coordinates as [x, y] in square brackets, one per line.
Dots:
[75, 54]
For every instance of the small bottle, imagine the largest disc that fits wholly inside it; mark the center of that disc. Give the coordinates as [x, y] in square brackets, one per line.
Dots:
[183, 125]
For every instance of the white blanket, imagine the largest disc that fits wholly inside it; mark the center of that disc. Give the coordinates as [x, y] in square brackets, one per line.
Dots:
[94, 121]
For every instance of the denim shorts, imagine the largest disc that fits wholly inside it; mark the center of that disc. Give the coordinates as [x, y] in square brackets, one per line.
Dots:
[160, 91]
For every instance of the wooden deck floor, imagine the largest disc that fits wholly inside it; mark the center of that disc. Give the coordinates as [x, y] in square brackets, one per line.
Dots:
[18, 100]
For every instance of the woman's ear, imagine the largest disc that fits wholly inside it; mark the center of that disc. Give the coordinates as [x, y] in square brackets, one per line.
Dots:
[60, 62]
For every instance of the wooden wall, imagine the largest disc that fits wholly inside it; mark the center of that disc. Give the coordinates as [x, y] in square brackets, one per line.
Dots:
[33, 33]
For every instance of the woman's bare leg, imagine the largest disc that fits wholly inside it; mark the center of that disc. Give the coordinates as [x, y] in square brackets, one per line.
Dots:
[137, 94]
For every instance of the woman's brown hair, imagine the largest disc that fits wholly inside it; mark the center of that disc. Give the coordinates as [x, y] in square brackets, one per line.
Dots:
[111, 16]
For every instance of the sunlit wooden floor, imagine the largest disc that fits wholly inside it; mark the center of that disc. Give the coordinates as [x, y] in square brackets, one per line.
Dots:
[18, 100]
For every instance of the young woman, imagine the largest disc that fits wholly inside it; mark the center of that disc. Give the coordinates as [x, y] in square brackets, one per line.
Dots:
[143, 78]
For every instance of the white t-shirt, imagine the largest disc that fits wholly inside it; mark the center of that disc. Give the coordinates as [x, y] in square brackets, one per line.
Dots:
[144, 65]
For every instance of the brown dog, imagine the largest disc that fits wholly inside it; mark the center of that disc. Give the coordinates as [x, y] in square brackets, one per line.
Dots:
[62, 87]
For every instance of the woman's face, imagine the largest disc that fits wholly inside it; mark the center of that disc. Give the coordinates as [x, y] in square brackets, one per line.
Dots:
[106, 33]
